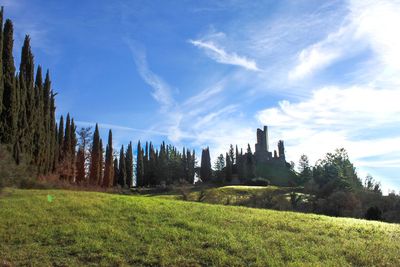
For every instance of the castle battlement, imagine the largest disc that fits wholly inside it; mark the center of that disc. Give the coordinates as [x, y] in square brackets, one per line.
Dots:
[262, 153]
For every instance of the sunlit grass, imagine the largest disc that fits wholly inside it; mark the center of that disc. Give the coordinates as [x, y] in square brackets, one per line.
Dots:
[86, 228]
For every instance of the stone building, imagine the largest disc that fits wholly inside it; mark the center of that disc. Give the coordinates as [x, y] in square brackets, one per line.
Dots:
[262, 153]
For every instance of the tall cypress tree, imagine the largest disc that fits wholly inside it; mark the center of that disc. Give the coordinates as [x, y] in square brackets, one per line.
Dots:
[205, 168]
[139, 166]
[94, 169]
[60, 139]
[108, 167]
[74, 141]
[26, 70]
[122, 168]
[1, 65]
[80, 165]
[228, 167]
[53, 134]
[26, 67]
[101, 163]
[10, 105]
[47, 123]
[39, 137]
[129, 165]
[116, 172]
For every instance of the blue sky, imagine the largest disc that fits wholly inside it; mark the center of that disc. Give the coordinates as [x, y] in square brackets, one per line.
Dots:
[321, 74]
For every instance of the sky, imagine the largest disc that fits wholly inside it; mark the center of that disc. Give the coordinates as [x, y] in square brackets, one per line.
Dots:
[321, 74]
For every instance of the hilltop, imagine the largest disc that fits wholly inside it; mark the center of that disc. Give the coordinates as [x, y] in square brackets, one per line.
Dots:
[87, 228]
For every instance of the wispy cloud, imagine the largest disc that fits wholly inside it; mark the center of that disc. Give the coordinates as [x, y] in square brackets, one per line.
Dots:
[221, 56]
[161, 90]
[368, 24]
[119, 128]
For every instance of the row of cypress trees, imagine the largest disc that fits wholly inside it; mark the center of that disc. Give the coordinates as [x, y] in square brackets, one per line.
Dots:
[27, 106]
[165, 165]
[235, 163]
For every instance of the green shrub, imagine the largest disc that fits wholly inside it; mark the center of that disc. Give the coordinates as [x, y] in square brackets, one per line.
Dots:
[259, 182]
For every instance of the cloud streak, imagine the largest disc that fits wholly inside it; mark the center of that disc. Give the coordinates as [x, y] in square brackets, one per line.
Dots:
[161, 90]
[221, 56]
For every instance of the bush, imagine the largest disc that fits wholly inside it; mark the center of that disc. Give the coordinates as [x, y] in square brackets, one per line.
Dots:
[12, 174]
[259, 182]
[373, 213]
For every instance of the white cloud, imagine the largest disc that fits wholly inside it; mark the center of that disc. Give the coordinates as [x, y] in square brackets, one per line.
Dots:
[161, 90]
[370, 24]
[221, 56]
[323, 53]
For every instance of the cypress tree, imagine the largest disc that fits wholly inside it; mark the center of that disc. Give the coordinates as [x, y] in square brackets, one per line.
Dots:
[228, 167]
[53, 135]
[26, 67]
[47, 123]
[205, 168]
[116, 172]
[27, 75]
[39, 134]
[60, 139]
[80, 166]
[108, 167]
[66, 161]
[67, 137]
[9, 113]
[74, 141]
[94, 169]
[129, 165]
[122, 168]
[1, 65]
[139, 166]
[101, 163]
[23, 125]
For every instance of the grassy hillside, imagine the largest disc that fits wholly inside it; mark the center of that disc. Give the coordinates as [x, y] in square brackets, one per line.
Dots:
[83, 228]
[239, 194]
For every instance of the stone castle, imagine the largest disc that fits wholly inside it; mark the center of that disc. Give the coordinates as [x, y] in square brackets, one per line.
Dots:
[262, 153]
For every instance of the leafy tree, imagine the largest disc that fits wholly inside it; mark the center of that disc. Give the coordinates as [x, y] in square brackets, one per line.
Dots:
[85, 135]
[219, 164]
[305, 171]
[335, 172]
[371, 185]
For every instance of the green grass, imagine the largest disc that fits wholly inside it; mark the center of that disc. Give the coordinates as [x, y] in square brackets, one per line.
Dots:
[238, 194]
[86, 228]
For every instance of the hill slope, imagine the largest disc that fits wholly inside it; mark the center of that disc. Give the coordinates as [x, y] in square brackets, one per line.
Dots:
[83, 228]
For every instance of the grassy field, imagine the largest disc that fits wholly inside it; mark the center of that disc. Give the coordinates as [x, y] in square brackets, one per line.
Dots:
[236, 195]
[86, 228]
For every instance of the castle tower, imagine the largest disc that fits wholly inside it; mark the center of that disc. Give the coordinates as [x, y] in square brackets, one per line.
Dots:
[262, 153]
[266, 138]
